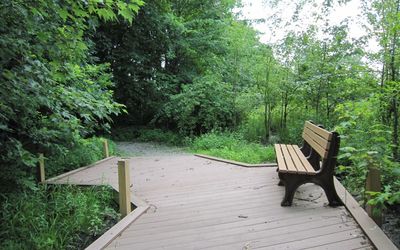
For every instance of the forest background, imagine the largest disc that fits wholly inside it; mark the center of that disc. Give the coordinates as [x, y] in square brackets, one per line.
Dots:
[190, 73]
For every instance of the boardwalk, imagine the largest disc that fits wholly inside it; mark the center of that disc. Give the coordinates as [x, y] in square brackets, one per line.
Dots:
[195, 203]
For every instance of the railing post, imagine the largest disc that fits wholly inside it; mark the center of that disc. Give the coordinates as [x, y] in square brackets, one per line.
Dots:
[105, 148]
[124, 187]
[373, 184]
[41, 173]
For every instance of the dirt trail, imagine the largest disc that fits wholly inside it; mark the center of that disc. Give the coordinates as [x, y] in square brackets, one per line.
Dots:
[148, 149]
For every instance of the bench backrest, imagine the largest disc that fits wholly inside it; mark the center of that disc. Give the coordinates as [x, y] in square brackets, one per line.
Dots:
[318, 138]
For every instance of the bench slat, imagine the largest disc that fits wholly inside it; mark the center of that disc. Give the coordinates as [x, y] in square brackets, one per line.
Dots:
[297, 163]
[279, 157]
[317, 138]
[320, 150]
[291, 160]
[291, 168]
[320, 131]
[310, 170]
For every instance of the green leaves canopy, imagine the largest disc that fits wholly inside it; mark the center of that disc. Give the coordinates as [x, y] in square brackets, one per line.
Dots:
[51, 91]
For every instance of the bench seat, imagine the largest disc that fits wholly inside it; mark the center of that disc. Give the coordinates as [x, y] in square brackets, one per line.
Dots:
[291, 160]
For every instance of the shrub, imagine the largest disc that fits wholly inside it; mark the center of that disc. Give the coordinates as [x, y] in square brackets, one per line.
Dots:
[57, 217]
[148, 135]
[81, 153]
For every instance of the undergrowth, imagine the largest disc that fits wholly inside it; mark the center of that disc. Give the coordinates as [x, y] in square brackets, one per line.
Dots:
[232, 146]
[82, 153]
[55, 217]
[148, 135]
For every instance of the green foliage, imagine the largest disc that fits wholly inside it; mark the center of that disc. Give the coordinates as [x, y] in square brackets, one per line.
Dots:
[56, 217]
[365, 144]
[148, 135]
[82, 153]
[233, 147]
[51, 92]
[386, 198]
[253, 128]
[202, 106]
[165, 62]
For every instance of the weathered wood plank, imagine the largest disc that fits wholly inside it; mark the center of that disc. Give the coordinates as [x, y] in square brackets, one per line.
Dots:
[318, 139]
[296, 160]
[306, 164]
[320, 150]
[291, 168]
[244, 224]
[124, 183]
[230, 235]
[320, 131]
[198, 203]
[374, 233]
[279, 157]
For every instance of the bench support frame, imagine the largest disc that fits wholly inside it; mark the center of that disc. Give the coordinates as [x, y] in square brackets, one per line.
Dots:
[323, 177]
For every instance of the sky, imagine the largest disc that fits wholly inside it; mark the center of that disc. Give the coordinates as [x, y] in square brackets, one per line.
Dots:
[272, 33]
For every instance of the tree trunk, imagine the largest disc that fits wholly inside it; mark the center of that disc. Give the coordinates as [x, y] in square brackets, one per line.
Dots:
[394, 99]
[285, 114]
[395, 129]
[266, 121]
[327, 102]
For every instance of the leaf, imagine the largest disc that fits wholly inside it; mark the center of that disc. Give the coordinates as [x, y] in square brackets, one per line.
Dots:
[63, 13]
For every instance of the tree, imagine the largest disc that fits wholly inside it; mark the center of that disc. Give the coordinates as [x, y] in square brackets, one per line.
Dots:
[51, 92]
[384, 19]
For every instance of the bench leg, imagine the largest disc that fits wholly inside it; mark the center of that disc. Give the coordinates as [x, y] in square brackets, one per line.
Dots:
[280, 183]
[291, 186]
[330, 191]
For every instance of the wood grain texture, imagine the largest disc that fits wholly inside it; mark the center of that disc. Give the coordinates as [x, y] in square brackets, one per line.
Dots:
[320, 131]
[291, 160]
[322, 151]
[105, 148]
[124, 183]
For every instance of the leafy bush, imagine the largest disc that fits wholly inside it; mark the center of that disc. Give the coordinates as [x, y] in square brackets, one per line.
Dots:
[364, 145]
[125, 133]
[82, 153]
[148, 135]
[58, 159]
[206, 104]
[253, 128]
[56, 217]
[233, 147]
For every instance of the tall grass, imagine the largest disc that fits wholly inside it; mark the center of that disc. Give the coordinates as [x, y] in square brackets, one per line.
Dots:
[232, 146]
[57, 217]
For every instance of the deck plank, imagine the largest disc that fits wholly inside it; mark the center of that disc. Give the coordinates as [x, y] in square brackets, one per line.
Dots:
[197, 203]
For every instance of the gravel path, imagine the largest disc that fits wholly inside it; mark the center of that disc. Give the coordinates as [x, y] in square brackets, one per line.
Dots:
[148, 149]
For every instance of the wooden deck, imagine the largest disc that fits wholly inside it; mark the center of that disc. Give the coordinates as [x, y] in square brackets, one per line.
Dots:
[196, 203]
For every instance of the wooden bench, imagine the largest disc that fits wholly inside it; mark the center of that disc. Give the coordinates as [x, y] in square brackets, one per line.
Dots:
[314, 162]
